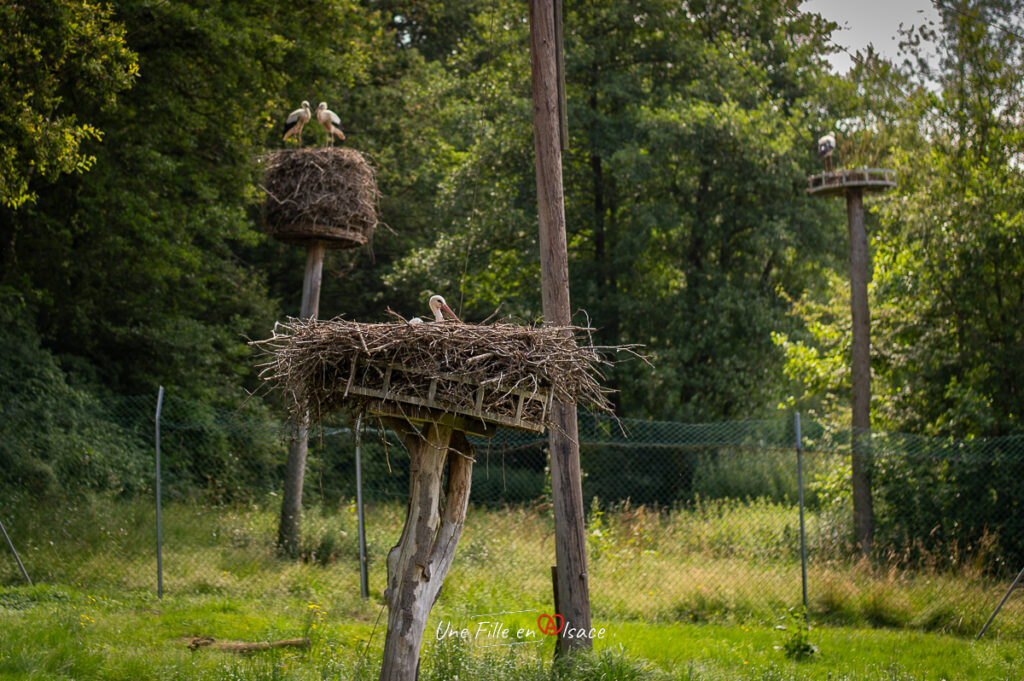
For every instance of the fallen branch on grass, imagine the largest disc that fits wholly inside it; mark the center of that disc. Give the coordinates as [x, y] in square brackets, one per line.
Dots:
[243, 647]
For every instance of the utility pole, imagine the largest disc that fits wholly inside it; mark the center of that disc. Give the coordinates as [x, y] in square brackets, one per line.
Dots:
[573, 583]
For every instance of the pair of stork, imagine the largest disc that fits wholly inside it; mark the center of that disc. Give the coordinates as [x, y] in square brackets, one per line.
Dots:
[324, 116]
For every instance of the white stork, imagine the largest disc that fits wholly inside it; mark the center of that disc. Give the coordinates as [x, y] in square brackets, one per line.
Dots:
[438, 306]
[296, 119]
[331, 123]
[826, 146]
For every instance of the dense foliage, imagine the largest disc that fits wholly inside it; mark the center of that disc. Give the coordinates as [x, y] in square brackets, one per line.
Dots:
[133, 254]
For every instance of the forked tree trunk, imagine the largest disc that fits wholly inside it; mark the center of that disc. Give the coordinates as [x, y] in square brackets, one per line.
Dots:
[417, 565]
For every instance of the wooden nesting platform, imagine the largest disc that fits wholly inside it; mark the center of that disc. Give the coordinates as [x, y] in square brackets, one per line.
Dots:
[470, 377]
[324, 195]
[837, 182]
[447, 399]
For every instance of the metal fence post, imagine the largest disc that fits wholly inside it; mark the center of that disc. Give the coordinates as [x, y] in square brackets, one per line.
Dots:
[16, 556]
[363, 580]
[1000, 606]
[800, 494]
[159, 526]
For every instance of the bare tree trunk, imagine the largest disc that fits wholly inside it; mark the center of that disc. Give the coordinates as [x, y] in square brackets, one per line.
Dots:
[289, 535]
[860, 370]
[418, 564]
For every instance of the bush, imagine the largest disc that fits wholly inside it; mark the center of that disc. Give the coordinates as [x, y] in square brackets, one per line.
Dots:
[55, 437]
[943, 502]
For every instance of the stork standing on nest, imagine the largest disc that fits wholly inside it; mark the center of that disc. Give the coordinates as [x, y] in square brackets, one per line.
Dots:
[826, 147]
[439, 307]
[296, 119]
[331, 123]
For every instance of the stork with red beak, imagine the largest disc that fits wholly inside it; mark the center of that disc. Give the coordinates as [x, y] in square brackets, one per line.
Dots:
[330, 122]
[296, 119]
[439, 307]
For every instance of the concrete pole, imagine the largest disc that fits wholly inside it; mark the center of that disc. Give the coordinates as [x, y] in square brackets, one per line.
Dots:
[861, 369]
[567, 495]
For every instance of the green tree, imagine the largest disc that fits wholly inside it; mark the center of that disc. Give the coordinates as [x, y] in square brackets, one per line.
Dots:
[146, 270]
[56, 55]
[691, 134]
[949, 265]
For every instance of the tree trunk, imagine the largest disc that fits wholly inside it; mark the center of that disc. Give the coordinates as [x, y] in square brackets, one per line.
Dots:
[289, 535]
[860, 370]
[418, 564]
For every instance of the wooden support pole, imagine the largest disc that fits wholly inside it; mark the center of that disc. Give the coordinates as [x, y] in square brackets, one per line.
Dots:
[418, 564]
[567, 495]
[861, 369]
[289, 535]
[311, 281]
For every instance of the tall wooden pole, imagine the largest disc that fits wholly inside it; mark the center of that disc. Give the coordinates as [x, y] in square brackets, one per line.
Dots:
[852, 184]
[860, 369]
[288, 533]
[570, 535]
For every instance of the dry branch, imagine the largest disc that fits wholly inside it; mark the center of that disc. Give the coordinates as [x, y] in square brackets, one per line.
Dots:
[504, 373]
[244, 647]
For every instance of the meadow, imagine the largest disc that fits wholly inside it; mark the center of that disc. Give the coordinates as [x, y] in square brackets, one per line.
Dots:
[706, 593]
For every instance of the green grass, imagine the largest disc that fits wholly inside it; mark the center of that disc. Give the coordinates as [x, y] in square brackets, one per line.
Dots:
[687, 595]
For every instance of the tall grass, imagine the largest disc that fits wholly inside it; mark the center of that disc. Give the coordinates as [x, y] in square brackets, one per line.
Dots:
[717, 561]
[698, 589]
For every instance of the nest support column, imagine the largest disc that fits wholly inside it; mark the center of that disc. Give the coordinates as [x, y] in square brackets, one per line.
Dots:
[417, 565]
[288, 530]
[860, 267]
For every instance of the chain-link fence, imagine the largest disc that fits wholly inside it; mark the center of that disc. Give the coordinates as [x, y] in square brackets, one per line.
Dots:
[685, 522]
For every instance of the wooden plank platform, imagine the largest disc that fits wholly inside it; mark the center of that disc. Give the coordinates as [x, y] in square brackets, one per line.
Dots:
[388, 400]
[837, 182]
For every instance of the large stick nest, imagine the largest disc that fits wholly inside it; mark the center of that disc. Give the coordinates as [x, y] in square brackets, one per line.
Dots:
[326, 194]
[500, 373]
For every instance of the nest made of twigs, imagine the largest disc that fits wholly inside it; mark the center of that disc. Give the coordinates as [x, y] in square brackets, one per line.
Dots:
[502, 374]
[327, 194]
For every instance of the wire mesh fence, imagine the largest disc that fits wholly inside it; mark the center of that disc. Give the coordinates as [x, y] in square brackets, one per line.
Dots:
[685, 522]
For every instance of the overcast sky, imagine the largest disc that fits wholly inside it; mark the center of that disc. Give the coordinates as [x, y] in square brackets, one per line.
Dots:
[869, 21]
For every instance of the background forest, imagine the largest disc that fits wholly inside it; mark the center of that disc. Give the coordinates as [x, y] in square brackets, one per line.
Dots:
[131, 139]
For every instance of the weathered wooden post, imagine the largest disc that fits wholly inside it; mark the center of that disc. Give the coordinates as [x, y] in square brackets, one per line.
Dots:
[573, 583]
[288, 531]
[319, 199]
[418, 564]
[431, 383]
[852, 184]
